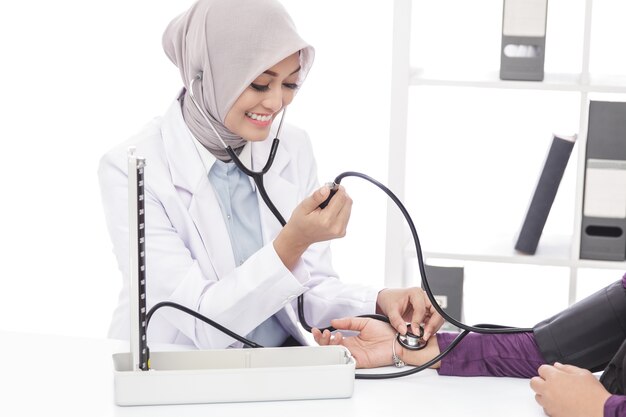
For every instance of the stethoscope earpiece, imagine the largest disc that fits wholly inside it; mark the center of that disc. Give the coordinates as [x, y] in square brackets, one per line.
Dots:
[412, 341]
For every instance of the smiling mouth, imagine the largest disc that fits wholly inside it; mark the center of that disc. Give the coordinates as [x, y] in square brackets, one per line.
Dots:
[263, 118]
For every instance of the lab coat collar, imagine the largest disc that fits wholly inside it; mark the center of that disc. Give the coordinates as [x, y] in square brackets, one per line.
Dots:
[184, 161]
[189, 161]
[208, 159]
[283, 193]
[189, 173]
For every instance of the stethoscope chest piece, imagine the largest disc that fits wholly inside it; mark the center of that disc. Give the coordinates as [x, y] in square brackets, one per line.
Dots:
[412, 341]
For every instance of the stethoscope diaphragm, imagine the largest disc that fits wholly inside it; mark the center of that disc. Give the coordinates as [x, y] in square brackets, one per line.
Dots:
[412, 341]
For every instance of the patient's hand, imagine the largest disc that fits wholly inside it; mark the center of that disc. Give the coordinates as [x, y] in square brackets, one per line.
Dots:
[569, 391]
[371, 348]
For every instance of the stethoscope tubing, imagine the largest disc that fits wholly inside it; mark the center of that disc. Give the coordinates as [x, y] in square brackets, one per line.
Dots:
[257, 177]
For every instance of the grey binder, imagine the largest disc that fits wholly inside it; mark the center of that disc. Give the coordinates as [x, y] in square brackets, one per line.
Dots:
[522, 53]
[545, 193]
[446, 284]
[603, 234]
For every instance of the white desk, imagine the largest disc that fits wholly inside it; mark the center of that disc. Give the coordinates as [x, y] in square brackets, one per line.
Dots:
[42, 375]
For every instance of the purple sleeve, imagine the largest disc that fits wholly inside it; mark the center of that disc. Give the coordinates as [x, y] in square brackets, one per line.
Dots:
[615, 406]
[514, 354]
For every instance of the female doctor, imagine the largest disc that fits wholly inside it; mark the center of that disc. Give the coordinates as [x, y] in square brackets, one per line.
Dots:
[212, 244]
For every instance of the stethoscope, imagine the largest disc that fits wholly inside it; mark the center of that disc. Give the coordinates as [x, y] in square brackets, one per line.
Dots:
[257, 177]
[413, 340]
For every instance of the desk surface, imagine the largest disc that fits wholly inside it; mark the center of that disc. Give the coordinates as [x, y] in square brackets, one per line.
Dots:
[54, 375]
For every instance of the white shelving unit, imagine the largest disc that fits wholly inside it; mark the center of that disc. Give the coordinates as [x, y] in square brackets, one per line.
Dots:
[559, 250]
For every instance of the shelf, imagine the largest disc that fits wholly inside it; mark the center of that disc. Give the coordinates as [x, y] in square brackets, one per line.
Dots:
[552, 251]
[490, 79]
[571, 80]
[607, 83]
[589, 264]
[527, 260]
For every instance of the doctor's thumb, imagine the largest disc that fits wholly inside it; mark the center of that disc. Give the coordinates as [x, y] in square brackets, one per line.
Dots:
[312, 202]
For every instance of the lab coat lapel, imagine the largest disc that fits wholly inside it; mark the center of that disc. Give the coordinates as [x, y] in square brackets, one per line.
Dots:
[189, 176]
[207, 216]
[284, 195]
[282, 192]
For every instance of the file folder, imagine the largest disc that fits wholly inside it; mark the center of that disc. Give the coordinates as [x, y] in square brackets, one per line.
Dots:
[446, 283]
[522, 53]
[603, 234]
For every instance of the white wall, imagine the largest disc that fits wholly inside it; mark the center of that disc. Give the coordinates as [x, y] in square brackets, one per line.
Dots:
[79, 76]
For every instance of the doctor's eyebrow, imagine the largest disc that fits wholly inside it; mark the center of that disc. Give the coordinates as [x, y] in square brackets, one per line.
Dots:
[273, 74]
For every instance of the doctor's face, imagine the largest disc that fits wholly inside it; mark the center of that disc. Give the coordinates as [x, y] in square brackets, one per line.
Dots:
[252, 114]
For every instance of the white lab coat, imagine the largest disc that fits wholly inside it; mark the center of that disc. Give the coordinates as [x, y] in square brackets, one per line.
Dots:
[188, 252]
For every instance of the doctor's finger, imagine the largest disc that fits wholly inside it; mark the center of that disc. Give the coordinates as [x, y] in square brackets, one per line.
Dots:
[311, 203]
[337, 201]
[416, 299]
[343, 216]
[433, 324]
[397, 322]
[346, 203]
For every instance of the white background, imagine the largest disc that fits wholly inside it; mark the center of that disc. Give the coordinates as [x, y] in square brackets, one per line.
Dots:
[78, 77]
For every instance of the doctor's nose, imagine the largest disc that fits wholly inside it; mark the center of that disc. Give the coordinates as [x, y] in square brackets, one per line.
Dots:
[274, 100]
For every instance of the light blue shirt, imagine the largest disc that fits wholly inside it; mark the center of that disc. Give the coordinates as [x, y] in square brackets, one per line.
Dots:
[240, 209]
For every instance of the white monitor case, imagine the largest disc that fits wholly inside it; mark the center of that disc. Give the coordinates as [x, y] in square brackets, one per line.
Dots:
[220, 375]
[234, 375]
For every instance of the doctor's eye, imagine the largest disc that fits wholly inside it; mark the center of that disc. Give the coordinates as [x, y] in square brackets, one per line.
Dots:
[259, 87]
[292, 86]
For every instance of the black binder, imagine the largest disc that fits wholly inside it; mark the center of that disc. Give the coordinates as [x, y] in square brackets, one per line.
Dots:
[603, 229]
[545, 192]
[446, 283]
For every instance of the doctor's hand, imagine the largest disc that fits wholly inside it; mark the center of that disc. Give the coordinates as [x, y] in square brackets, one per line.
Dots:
[310, 224]
[409, 305]
[372, 347]
[569, 391]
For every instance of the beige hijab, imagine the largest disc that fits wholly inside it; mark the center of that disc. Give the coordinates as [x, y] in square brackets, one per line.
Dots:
[229, 42]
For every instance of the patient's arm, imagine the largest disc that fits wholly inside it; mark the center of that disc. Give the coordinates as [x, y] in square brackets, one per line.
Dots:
[513, 355]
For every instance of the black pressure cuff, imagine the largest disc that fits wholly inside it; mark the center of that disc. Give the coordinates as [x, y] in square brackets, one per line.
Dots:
[613, 376]
[588, 333]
